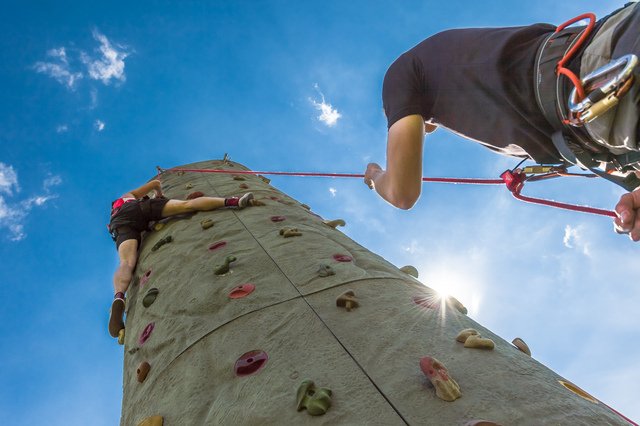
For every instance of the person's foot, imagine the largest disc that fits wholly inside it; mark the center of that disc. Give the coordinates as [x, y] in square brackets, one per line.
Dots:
[244, 200]
[116, 322]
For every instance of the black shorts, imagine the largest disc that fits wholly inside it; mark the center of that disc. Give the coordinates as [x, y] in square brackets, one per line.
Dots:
[133, 218]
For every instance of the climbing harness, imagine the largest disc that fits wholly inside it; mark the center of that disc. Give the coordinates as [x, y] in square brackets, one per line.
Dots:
[514, 179]
[588, 99]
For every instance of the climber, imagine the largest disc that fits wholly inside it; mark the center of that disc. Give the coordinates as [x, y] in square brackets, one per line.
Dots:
[480, 84]
[131, 215]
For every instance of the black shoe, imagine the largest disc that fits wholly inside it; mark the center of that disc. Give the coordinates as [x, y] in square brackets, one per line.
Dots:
[116, 322]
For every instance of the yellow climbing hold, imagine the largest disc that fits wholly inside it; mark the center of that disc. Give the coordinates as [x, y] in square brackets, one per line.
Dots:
[334, 223]
[464, 334]
[477, 342]
[121, 337]
[410, 270]
[152, 421]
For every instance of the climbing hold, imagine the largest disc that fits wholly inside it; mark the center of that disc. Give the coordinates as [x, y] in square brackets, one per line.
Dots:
[244, 186]
[223, 269]
[146, 333]
[342, 258]
[274, 198]
[206, 223]
[325, 270]
[158, 226]
[305, 206]
[193, 195]
[290, 232]
[217, 245]
[464, 334]
[256, 203]
[242, 291]
[410, 270]
[521, 345]
[188, 186]
[575, 389]
[477, 342]
[133, 350]
[446, 388]
[277, 218]
[238, 177]
[145, 278]
[334, 223]
[121, 336]
[264, 179]
[347, 300]
[294, 375]
[162, 242]
[315, 400]
[250, 363]
[142, 371]
[152, 421]
[481, 423]
[150, 297]
[452, 301]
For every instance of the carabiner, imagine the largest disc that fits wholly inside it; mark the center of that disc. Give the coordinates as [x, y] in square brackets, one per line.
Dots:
[603, 94]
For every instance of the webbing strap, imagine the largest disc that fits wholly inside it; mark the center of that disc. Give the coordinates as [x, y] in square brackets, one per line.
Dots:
[584, 160]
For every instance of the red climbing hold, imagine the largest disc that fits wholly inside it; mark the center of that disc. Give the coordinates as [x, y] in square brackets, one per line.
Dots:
[250, 363]
[217, 245]
[242, 291]
[146, 333]
[342, 258]
[277, 218]
[145, 278]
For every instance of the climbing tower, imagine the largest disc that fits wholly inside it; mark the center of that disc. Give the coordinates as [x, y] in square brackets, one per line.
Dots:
[271, 315]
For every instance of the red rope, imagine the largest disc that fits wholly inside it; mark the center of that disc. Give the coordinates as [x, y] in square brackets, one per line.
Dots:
[514, 181]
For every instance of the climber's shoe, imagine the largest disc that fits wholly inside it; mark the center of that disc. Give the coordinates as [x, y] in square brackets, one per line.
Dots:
[116, 322]
[244, 200]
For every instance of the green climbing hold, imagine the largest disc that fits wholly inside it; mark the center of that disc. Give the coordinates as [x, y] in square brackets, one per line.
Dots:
[162, 242]
[316, 400]
[223, 269]
[150, 297]
[325, 270]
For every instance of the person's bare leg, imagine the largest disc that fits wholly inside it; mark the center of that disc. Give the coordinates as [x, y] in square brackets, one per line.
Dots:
[201, 204]
[128, 254]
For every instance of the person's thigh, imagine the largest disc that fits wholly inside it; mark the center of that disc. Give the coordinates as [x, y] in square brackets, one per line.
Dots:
[175, 207]
[128, 251]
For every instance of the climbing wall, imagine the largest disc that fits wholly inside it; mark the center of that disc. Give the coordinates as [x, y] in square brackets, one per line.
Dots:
[271, 315]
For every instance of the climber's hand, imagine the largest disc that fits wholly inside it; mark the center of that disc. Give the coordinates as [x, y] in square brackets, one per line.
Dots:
[373, 170]
[628, 211]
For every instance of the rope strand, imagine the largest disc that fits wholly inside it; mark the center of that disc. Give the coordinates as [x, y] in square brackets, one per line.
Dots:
[466, 181]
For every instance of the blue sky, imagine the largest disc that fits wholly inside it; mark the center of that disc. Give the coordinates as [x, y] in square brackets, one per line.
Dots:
[94, 96]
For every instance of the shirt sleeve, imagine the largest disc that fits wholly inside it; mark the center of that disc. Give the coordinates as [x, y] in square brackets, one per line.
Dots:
[403, 89]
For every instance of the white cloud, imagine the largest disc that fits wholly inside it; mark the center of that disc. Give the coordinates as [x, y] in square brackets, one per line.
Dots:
[573, 238]
[13, 213]
[62, 128]
[328, 115]
[111, 63]
[59, 68]
[333, 191]
[8, 179]
[52, 180]
[99, 125]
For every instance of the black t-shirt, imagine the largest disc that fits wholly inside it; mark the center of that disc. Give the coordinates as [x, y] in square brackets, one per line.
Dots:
[478, 83]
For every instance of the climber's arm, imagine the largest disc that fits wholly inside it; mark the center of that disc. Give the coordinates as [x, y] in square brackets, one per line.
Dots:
[400, 184]
[140, 192]
[628, 210]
